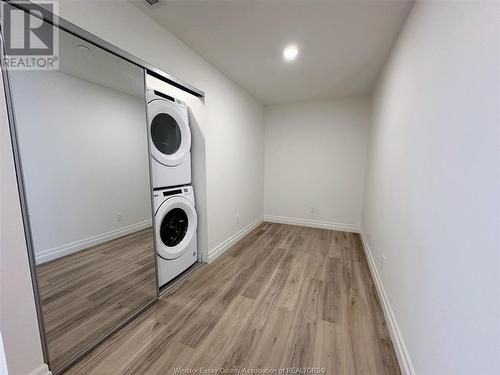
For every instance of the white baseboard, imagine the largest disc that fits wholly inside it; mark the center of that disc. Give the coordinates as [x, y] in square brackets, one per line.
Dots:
[225, 245]
[41, 370]
[73, 247]
[354, 228]
[396, 336]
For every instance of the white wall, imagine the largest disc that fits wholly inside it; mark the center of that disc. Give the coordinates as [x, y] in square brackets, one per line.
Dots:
[315, 158]
[233, 128]
[85, 161]
[18, 322]
[432, 200]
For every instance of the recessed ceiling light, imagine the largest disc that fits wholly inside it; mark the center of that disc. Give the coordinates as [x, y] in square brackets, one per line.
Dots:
[290, 52]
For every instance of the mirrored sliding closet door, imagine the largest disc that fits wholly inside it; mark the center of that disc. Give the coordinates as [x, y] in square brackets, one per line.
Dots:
[83, 150]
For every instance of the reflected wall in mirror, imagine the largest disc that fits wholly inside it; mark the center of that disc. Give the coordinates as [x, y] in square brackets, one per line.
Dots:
[83, 148]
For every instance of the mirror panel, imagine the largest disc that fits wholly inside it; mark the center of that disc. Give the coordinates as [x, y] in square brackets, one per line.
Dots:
[83, 147]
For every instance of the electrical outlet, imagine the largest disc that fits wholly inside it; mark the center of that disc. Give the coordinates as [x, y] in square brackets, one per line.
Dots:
[382, 261]
[119, 217]
[237, 218]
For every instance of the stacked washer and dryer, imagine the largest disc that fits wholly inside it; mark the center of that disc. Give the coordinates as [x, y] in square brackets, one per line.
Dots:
[175, 215]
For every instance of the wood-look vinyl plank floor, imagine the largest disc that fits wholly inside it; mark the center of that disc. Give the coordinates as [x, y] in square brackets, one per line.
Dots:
[86, 294]
[283, 296]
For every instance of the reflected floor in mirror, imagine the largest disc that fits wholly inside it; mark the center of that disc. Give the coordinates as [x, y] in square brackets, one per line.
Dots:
[86, 294]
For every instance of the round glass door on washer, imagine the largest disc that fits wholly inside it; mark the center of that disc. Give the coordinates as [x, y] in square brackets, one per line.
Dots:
[175, 228]
[170, 140]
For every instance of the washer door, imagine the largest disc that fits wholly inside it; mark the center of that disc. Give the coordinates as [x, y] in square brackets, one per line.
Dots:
[175, 225]
[169, 133]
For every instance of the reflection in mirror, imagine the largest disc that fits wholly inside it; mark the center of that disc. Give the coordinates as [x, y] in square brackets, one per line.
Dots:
[83, 147]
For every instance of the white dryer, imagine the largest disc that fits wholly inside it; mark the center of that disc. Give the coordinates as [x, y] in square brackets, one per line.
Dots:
[175, 231]
[170, 140]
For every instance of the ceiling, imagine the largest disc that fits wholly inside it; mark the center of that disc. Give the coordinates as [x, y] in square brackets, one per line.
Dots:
[343, 44]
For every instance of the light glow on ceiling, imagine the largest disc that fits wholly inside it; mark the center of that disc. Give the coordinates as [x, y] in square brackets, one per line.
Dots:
[290, 52]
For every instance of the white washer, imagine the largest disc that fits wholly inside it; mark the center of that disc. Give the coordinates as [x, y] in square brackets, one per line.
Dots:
[175, 230]
[170, 140]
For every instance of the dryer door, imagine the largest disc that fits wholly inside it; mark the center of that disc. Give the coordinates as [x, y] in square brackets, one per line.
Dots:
[175, 225]
[169, 133]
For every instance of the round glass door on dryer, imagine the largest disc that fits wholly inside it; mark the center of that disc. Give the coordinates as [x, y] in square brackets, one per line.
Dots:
[175, 229]
[170, 140]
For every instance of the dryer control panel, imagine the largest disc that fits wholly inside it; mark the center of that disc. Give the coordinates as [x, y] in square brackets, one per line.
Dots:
[155, 94]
